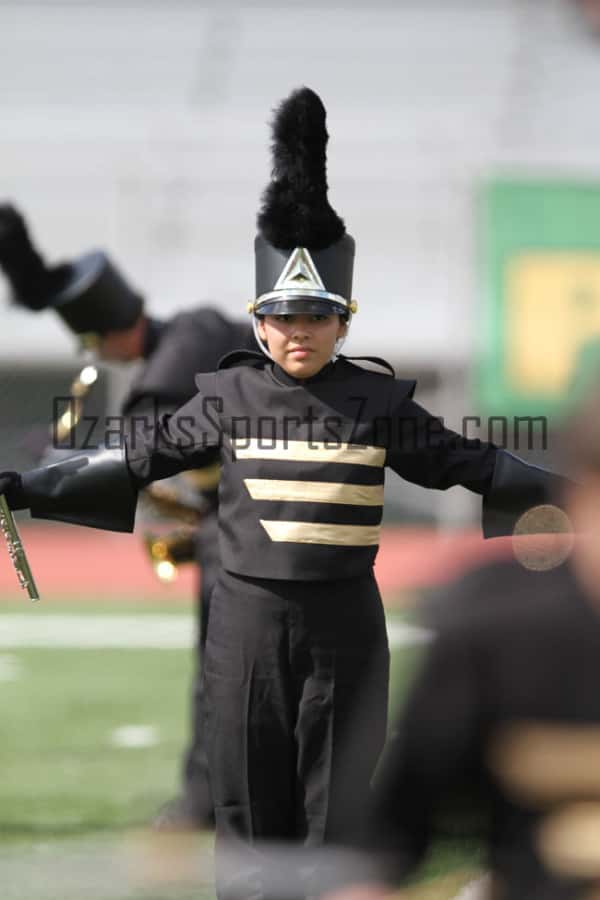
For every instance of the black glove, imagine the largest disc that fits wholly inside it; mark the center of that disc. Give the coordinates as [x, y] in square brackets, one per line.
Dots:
[11, 486]
[31, 280]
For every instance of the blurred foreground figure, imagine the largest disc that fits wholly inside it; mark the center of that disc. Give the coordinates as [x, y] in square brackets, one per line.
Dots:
[505, 713]
[95, 302]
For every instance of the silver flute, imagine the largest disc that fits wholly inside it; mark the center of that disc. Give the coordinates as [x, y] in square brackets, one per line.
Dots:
[16, 551]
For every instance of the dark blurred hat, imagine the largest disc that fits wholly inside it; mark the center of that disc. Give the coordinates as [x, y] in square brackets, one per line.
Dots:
[89, 293]
[96, 298]
[304, 257]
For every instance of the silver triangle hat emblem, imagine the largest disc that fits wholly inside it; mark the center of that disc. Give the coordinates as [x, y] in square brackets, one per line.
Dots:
[300, 273]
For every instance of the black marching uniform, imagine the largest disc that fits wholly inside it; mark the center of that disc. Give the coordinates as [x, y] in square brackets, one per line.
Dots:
[503, 718]
[296, 634]
[297, 631]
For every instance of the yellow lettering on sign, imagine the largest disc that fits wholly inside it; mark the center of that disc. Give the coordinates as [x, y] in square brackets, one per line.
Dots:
[552, 313]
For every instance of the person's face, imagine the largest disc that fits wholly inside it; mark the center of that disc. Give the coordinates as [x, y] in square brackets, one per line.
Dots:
[300, 343]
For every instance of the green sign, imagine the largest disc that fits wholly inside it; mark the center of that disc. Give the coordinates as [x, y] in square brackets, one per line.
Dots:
[541, 287]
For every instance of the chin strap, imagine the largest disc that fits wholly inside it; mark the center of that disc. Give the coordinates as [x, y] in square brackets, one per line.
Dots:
[259, 340]
[340, 342]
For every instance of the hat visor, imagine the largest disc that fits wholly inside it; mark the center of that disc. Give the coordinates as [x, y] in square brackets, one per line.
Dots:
[303, 305]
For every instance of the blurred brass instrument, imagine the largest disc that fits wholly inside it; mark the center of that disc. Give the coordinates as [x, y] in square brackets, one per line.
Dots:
[182, 501]
[80, 387]
[168, 551]
[16, 550]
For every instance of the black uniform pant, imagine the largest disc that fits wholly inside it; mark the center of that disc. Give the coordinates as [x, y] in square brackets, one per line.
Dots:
[296, 689]
[195, 767]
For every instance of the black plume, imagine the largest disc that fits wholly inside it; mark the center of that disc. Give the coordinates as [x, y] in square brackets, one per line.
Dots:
[295, 210]
[31, 280]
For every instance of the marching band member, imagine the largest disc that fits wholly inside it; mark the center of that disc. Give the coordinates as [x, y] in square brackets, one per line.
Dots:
[296, 635]
[108, 318]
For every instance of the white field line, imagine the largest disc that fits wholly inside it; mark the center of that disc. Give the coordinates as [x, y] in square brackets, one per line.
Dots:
[133, 736]
[148, 631]
[478, 889]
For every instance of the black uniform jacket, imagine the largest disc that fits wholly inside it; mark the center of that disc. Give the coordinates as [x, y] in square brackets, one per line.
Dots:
[506, 712]
[301, 492]
[176, 350]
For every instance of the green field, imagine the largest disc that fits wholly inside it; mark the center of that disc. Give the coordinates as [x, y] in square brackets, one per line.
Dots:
[73, 803]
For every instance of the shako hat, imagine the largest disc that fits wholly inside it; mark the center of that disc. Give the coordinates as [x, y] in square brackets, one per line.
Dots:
[304, 258]
[89, 293]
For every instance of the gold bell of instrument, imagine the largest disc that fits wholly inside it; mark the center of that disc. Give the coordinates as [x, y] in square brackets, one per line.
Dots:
[169, 551]
[80, 388]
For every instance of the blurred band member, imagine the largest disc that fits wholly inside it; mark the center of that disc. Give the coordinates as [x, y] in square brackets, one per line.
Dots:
[107, 316]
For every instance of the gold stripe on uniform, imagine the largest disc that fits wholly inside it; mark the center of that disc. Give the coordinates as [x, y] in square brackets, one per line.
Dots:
[313, 451]
[315, 491]
[321, 533]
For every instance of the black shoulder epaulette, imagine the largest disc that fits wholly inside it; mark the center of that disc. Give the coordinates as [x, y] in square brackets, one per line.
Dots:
[407, 387]
[241, 358]
[376, 360]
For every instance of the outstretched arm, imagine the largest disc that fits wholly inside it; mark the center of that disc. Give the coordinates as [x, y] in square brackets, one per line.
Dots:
[99, 488]
[424, 451]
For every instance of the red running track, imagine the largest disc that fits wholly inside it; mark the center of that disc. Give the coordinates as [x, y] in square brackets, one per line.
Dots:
[72, 563]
